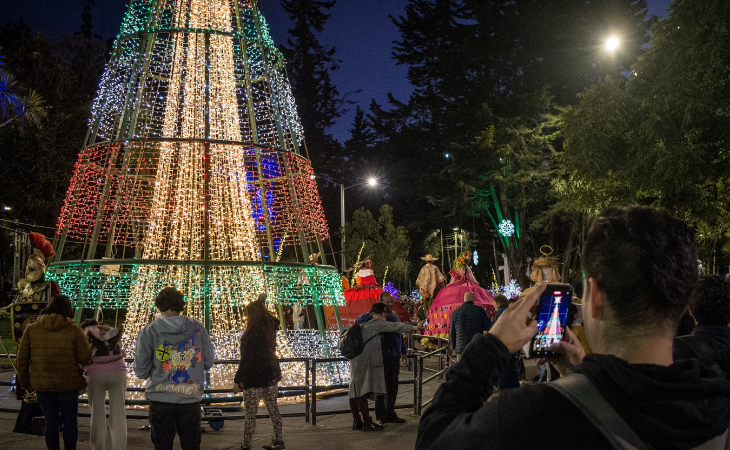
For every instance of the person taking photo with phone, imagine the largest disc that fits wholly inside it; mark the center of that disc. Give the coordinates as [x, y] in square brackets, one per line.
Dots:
[640, 272]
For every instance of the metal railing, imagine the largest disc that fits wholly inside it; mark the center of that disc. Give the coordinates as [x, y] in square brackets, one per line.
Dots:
[444, 363]
[311, 388]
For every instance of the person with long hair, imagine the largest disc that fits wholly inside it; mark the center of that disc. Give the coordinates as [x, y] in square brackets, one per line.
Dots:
[106, 372]
[48, 363]
[258, 372]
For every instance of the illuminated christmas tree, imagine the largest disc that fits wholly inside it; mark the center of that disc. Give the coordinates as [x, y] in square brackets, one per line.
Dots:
[194, 174]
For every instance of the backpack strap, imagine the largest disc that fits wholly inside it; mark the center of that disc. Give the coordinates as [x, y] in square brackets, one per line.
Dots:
[579, 390]
[699, 347]
[718, 443]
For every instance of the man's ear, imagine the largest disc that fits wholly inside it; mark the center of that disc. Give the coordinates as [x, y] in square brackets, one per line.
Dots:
[596, 299]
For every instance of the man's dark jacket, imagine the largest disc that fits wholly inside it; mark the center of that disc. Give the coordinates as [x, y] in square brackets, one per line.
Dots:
[716, 337]
[675, 407]
[466, 321]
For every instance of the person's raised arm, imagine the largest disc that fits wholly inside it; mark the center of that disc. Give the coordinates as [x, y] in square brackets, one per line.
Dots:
[459, 411]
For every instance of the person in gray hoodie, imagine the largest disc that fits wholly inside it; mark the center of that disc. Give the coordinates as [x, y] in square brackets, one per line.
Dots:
[172, 354]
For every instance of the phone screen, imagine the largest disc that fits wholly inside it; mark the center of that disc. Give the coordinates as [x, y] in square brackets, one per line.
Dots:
[551, 314]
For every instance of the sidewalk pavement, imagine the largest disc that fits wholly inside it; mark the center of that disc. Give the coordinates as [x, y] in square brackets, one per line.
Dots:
[332, 432]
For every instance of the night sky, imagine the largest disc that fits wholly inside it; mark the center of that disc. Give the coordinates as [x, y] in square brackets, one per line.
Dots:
[359, 29]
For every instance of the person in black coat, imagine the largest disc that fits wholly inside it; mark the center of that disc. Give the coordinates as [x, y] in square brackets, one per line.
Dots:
[709, 340]
[466, 321]
[258, 372]
[640, 272]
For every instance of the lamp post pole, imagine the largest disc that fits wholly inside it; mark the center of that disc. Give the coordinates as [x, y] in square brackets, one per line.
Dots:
[342, 223]
[372, 182]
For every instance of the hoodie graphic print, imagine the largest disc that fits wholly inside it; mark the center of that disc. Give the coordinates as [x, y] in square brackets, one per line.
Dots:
[173, 354]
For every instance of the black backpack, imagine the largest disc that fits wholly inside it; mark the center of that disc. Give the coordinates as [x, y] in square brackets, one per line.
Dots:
[351, 343]
[109, 347]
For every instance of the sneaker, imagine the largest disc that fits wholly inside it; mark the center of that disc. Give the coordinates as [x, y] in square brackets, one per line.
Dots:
[372, 426]
[275, 446]
[357, 424]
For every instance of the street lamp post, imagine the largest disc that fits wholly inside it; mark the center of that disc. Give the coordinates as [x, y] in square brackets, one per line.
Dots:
[372, 182]
[342, 223]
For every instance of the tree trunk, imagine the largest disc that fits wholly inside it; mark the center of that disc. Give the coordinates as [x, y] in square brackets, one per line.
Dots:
[565, 272]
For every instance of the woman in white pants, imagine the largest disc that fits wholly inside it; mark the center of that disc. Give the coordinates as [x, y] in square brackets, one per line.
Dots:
[106, 372]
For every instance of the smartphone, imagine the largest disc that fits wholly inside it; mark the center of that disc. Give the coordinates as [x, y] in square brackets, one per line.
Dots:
[550, 312]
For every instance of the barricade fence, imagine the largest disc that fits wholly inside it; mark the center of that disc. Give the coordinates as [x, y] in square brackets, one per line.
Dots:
[311, 388]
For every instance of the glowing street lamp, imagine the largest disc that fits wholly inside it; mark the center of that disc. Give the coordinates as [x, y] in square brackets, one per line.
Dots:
[612, 44]
[372, 182]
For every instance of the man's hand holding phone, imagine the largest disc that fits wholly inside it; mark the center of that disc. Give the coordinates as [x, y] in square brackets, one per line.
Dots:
[571, 353]
[517, 325]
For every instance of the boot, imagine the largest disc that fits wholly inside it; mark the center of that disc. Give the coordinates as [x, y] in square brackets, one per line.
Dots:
[357, 424]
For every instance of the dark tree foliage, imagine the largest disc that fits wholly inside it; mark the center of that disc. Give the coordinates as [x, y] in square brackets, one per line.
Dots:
[361, 140]
[499, 67]
[36, 165]
[309, 65]
[86, 25]
[661, 136]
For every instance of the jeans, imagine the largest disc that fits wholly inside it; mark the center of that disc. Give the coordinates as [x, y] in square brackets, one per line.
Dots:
[166, 419]
[60, 407]
[97, 385]
[385, 404]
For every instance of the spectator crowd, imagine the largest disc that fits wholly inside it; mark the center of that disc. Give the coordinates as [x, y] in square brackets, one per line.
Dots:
[625, 377]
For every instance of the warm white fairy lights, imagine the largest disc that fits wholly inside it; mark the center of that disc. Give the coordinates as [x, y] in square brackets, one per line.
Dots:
[194, 139]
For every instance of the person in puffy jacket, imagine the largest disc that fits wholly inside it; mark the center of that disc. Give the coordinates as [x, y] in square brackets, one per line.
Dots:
[48, 362]
[106, 372]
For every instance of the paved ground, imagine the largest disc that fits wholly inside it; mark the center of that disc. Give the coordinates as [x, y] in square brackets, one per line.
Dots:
[332, 432]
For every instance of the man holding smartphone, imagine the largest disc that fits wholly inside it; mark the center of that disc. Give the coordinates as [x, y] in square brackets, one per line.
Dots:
[640, 272]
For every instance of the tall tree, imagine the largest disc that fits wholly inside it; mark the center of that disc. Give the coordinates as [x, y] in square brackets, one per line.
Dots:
[661, 136]
[361, 140]
[309, 64]
[35, 166]
[86, 18]
[499, 65]
[389, 244]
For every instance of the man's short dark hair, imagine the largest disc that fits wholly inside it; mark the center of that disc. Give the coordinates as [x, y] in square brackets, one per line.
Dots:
[501, 300]
[170, 299]
[378, 308]
[383, 295]
[711, 302]
[645, 261]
